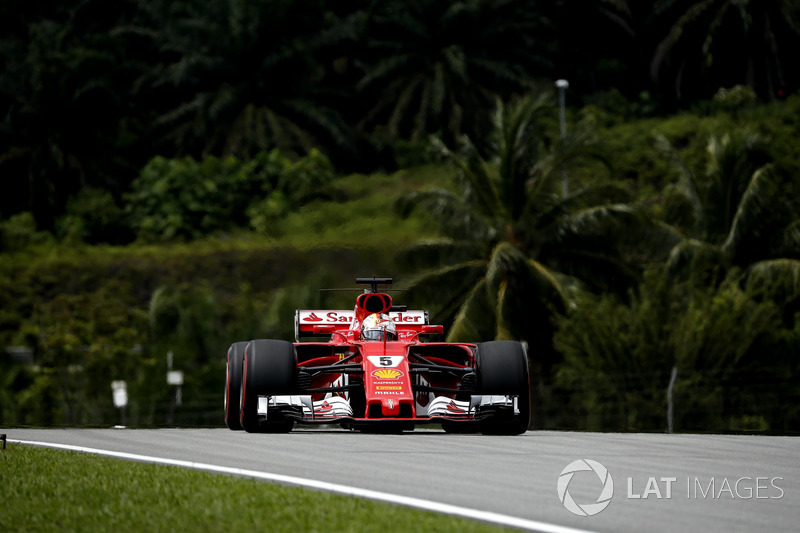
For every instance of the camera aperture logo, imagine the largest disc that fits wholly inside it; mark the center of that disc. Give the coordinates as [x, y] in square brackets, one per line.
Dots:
[585, 509]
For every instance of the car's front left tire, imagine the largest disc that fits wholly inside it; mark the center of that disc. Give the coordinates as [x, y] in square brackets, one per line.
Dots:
[503, 371]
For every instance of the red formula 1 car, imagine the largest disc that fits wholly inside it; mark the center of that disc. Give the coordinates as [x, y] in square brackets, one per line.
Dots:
[376, 372]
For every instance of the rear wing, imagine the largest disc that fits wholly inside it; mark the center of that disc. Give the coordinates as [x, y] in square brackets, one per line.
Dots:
[342, 320]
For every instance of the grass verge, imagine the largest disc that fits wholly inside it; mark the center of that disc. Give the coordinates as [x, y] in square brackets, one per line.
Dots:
[56, 490]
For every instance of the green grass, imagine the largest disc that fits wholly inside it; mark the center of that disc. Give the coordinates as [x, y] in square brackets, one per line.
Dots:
[55, 490]
[365, 214]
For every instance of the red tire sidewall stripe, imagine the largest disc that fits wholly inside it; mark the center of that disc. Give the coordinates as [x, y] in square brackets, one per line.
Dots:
[227, 388]
[244, 387]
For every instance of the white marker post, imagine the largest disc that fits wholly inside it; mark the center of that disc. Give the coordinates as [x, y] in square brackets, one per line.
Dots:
[119, 390]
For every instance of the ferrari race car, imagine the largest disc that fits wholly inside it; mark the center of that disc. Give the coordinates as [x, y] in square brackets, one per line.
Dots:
[375, 371]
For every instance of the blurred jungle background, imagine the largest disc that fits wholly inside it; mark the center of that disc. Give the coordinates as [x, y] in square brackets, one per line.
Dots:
[179, 175]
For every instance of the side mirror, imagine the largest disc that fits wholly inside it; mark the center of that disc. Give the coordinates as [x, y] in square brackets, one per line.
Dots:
[438, 330]
[324, 330]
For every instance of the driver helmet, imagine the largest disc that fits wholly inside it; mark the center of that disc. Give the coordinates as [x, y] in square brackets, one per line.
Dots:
[378, 327]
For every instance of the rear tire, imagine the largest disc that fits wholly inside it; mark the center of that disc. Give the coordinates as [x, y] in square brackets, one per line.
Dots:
[269, 369]
[233, 385]
[503, 370]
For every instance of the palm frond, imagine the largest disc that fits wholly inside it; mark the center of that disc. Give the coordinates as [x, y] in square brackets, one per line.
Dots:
[579, 146]
[610, 220]
[406, 95]
[790, 240]
[426, 254]
[753, 207]
[475, 321]
[477, 177]
[687, 183]
[734, 158]
[522, 292]
[666, 45]
[454, 216]
[693, 256]
[776, 279]
[319, 121]
[387, 68]
[598, 271]
[446, 286]
[518, 148]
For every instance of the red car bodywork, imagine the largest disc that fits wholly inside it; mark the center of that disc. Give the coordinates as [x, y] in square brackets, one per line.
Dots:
[364, 384]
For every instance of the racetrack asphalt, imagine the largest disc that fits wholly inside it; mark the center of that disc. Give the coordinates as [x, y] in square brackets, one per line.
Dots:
[660, 482]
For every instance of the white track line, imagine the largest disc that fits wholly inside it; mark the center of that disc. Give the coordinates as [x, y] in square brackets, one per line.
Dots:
[485, 516]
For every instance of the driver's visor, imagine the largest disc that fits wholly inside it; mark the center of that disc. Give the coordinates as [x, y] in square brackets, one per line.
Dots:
[372, 335]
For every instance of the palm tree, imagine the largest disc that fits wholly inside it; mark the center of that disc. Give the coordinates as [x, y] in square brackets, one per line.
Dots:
[515, 247]
[239, 77]
[728, 42]
[711, 314]
[437, 66]
[62, 91]
[512, 240]
[741, 211]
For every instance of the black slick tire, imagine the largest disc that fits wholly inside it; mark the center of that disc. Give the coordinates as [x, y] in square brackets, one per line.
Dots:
[503, 370]
[269, 369]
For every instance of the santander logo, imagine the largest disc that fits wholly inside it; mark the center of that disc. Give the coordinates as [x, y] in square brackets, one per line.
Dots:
[342, 317]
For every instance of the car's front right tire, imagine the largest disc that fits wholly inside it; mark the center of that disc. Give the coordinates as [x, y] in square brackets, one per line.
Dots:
[233, 385]
[269, 369]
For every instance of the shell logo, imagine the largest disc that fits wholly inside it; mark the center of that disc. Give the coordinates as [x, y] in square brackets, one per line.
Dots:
[387, 373]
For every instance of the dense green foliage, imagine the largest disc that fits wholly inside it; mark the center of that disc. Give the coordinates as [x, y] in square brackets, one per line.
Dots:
[90, 91]
[92, 315]
[180, 175]
[184, 198]
[734, 364]
[44, 489]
